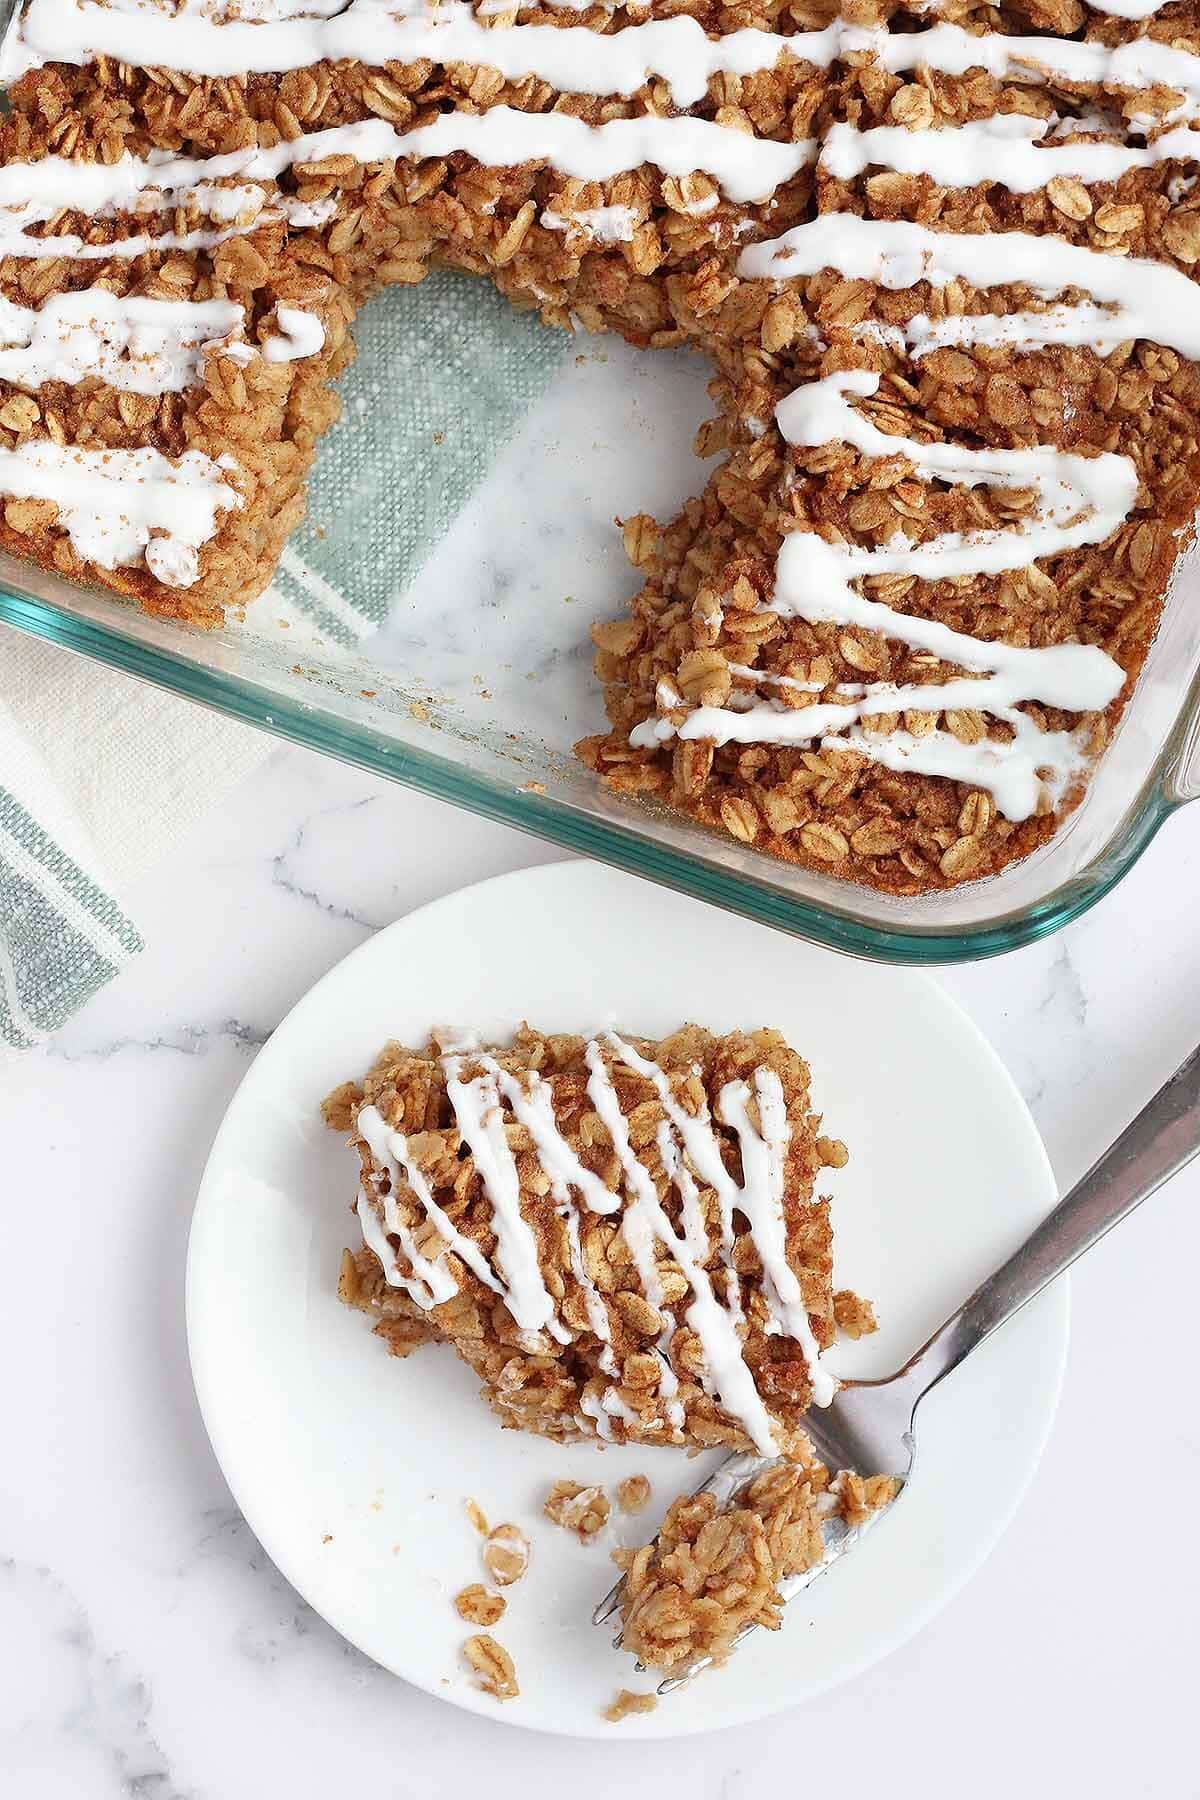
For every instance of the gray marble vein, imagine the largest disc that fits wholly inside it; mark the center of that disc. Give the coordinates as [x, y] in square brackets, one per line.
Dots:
[98, 1704]
[183, 1040]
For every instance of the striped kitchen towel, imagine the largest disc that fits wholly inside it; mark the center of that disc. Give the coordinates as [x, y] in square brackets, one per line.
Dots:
[99, 775]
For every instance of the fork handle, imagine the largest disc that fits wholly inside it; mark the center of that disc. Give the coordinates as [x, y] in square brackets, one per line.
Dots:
[1163, 1139]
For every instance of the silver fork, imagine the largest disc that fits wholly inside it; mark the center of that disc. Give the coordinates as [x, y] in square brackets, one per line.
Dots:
[871, 1425]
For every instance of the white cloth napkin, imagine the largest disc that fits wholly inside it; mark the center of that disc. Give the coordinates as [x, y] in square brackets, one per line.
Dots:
[99, 775]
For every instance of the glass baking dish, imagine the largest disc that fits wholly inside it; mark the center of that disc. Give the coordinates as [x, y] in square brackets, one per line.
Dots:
[479, 680]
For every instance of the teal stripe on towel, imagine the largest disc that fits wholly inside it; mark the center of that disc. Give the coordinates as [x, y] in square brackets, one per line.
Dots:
[48, 966]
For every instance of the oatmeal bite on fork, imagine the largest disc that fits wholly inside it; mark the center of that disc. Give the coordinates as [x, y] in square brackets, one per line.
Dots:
[715, 1571]
[620, 1236]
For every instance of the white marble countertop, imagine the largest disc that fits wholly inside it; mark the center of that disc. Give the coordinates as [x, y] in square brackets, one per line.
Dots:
[148, 1646]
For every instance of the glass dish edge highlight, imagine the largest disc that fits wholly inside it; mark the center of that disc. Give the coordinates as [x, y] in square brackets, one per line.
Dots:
[318, 715]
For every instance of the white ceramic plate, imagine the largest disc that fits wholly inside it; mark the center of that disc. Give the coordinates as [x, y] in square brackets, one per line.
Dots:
[352, 1467]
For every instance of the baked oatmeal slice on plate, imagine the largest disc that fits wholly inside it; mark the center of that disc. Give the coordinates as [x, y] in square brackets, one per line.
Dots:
[355, 1469]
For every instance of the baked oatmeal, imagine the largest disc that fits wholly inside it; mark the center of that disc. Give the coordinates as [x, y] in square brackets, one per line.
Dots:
[714, 1571]
[621, 1237]
[943, 268]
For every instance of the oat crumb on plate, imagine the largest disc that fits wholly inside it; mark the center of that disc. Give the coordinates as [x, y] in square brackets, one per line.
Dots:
[478, 1607]
[853, 1316]
[633, 1493]
[492, 1666]
[477, 1516]
[506, 1554]
[628, 1703]
[583, 1510]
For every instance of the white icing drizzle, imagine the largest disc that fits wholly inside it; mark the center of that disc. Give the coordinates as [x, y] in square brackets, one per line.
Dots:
[1036, 764]
[300, 335]
[430, 1283]
[765, 679]
[592, 1407]
[32, 193]
[224, 10]
[264, 10]
[20, 243]
[302, 213]
[1004, 149]
[1124, 9]
[487, 9]
[477, 1113]
[764, 1148]
[1017, 774]
[643, 1221]
[1100, 328]
[615, 1407]
[747, 168]
[1158, 302]
[533, 1107]
[480, 1120]
[602, 1408]
[77, 31]
[576, 59]
[572, 59]
[695, 1132]
[136, 345]
[1143, 63]
[1081, 500]
[603, 224]
[759, 1199]
[597, 1312]
[725, 1375]
[390, 1150]
[1086, 119]
[76, 249]
[123, 507]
